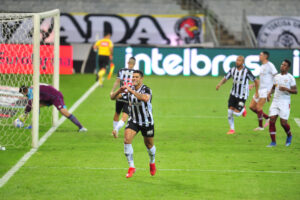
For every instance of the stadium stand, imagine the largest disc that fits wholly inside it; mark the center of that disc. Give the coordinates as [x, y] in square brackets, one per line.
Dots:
[95, 6]
[226, 16]
[231, 11]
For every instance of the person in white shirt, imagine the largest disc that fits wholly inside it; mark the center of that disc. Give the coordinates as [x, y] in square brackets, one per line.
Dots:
[267, 72]
[284, 85]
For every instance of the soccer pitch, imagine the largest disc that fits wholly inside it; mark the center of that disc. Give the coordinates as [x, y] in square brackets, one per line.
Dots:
[195, 158]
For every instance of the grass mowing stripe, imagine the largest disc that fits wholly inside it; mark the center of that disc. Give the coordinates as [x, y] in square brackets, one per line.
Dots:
[183, 170]
[26, 157]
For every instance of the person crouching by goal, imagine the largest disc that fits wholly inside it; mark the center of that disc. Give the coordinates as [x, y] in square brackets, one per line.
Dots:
[140, 119]
[48, 96]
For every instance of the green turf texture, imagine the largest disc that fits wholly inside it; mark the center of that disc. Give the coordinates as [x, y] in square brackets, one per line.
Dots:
[195, 158]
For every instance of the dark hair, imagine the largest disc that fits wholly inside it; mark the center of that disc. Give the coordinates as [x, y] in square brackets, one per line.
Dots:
[288, 62]
[22, 89]
[132, 58]
[107, 33]
[266, 53]
[139, 72]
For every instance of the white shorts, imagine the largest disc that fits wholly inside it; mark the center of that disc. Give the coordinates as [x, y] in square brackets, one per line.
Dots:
[281, 108]
[262, 94]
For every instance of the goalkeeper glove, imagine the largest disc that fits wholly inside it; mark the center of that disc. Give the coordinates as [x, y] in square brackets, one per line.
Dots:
[23, 117]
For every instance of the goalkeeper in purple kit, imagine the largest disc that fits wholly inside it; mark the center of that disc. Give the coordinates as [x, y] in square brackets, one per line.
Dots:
[49, 96]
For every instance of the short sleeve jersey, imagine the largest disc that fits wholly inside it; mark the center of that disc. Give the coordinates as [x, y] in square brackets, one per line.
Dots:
[104, 45]
[267, 72]
[240, 85]
[140, 112]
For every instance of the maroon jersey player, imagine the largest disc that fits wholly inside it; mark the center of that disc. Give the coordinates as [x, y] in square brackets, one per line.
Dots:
[49, 96]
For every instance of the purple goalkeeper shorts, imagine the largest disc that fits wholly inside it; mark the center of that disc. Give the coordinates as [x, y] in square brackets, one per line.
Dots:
[58, 102]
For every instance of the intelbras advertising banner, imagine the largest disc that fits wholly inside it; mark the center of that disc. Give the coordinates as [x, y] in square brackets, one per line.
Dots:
[198, 61]
[278, 32]
[132, 28]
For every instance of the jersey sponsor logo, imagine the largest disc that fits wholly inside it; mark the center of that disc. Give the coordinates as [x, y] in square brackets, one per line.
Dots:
[137, 103]
[280, 32]
[238, 82]
[104, 44]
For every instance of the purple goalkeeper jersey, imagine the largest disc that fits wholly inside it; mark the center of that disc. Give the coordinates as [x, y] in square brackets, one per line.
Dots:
[48, 96]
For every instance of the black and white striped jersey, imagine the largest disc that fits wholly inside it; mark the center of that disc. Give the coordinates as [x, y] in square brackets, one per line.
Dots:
[240, 86]
[140, 112]
[125, 76]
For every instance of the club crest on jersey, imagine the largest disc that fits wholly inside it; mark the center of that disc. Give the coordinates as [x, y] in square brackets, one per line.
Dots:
[241, 104]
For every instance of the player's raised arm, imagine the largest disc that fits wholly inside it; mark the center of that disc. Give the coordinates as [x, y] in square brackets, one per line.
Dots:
[143, 97]
[117, 82]
[117, 94]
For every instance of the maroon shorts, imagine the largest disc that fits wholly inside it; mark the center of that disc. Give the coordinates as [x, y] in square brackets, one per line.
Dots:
[58, 102]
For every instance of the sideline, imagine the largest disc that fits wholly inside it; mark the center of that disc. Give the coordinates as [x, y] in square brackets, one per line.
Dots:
[26, 157]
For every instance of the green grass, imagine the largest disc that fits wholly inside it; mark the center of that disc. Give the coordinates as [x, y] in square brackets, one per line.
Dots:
[195, 158]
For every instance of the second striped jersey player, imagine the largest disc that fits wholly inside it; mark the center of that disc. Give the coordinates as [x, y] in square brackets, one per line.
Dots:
[240, 90]
[124, 77]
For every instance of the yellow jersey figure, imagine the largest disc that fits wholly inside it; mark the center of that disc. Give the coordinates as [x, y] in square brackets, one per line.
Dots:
[105, 54]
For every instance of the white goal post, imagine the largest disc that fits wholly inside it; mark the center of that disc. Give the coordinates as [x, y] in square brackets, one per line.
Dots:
[33, 40]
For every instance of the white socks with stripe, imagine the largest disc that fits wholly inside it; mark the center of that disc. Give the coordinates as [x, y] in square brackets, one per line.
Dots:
[151, 153]
[115, 123]
[239, 113]
[128, 150]
[230, 119]
[119, 125]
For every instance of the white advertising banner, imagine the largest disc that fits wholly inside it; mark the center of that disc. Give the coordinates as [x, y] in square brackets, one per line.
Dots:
[276, 32]
[132, 29]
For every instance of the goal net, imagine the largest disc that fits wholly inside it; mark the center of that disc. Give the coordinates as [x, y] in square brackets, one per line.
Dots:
[29, 51]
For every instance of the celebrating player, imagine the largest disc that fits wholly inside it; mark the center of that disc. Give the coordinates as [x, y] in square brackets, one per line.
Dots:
[140, 119]
[48, 96]
[267, 72]
[124, 77]
[239, 92]
[284, 86]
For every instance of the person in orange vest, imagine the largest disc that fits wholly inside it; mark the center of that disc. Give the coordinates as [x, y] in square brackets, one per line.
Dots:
[105, 52]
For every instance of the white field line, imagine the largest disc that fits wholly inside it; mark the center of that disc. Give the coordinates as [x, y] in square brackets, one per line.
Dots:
[297, 120]
[26, 157]
[181, 170]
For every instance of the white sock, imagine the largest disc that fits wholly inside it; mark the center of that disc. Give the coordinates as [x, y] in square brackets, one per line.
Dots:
[230, 119]
[115, 123]
[239, 113]
[119, 125]
[128, 150]
[151, 153]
